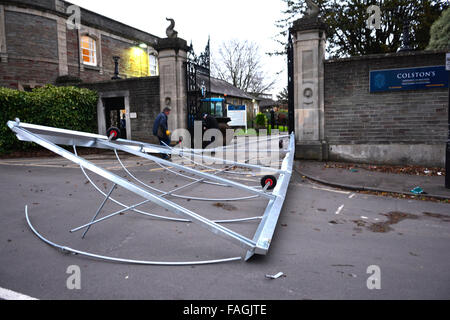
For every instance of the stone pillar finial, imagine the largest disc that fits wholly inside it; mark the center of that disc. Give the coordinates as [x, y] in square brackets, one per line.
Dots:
[313, 9]
[170, 32]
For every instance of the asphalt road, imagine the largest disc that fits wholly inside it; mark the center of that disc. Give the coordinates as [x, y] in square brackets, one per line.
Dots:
[324, 242]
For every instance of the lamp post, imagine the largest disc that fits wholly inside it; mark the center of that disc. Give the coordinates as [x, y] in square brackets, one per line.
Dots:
[116, 68]
[406, 46]
[447, 147]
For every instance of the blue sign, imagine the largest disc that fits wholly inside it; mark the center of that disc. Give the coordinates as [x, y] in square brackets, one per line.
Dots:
[236, 108]
[408, 79]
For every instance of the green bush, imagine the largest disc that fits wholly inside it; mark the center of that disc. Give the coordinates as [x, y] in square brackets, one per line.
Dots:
[63, 107]
[261, 120]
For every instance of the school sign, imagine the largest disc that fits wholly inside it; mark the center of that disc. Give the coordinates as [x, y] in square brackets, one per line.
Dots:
[408, 79]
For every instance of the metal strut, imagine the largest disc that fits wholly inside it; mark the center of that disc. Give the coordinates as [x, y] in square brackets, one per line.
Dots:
[49, 137]
[108, 258]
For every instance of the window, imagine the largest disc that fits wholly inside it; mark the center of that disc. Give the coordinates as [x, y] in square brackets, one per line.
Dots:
[153, 65]
[89, 51]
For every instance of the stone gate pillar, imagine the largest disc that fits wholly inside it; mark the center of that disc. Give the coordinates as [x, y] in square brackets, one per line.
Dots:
[172, 55]
[309, 54]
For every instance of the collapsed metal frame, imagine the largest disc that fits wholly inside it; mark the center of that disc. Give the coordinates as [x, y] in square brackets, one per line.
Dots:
[50, 138]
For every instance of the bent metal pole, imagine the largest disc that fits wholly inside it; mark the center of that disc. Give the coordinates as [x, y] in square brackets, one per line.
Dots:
[49, 137]
[173, 207]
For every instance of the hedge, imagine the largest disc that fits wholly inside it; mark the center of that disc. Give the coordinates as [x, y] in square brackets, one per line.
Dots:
[63, 107]
[261, 119]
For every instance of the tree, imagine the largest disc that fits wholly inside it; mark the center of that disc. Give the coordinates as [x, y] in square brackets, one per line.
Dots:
[347, 33]
[440, 32]
[239, 63]
[283, 96]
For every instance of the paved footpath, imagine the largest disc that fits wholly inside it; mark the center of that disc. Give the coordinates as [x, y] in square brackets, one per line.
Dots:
[363, 179]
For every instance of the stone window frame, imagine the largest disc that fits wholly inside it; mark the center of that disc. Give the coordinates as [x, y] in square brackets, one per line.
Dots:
[3, 50]
[153, 53]
[92, 49]
[96, 35]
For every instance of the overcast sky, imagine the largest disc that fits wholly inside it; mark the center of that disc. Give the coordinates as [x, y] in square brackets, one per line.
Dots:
[252, 20]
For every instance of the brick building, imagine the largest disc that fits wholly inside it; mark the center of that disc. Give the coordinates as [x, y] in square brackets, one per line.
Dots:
[37, 46]
[42, 42]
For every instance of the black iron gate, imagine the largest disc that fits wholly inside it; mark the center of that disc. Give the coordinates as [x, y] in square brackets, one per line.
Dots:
[198, 83]
[290, 58]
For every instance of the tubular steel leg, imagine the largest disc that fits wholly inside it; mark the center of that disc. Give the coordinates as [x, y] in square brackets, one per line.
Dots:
[88, 225]
[49, 138]
[99, 209]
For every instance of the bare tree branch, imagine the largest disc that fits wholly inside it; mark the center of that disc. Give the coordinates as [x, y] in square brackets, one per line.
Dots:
[239, 63]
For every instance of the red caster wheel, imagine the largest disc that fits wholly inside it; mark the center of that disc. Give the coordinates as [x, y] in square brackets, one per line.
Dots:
[271, 180]
[113, 133]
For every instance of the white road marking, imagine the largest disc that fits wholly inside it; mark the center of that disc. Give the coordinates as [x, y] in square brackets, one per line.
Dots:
[352, 195]
[321, 188]
[12, 295]
[363, 217]
[339, 209]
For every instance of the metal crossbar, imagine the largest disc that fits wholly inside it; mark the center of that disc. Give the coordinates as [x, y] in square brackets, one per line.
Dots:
[50, 138]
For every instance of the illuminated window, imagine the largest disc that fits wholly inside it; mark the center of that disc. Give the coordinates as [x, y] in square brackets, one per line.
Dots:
[153, 64]
[89, 51]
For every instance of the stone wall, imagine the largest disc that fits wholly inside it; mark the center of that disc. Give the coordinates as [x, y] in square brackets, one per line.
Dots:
[403, 127]
[36, 47]
[141, 97]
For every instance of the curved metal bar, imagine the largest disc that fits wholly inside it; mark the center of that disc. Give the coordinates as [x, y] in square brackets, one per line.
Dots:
[192, 178]
[238, 220]
[188, 177]
[181, 196]
[212, 199]
[128, 172]
[158, 216]
[238, 144]
[123, 205]
[143, 262]
[205, 166]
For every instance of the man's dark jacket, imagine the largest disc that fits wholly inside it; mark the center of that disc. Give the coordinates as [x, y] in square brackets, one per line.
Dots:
[160, 126]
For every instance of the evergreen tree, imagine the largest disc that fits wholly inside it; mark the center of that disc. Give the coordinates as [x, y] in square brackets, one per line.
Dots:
[440, 32]
[347, 34]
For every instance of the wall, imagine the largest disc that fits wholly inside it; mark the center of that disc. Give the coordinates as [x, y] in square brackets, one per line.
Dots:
[403, 127]
[141, 97]
[36, 46]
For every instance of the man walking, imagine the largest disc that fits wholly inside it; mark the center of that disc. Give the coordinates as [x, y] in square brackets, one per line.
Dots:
[161, 130]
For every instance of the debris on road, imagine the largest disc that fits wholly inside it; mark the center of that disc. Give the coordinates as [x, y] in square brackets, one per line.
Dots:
[418, 190]
[409, 169]
[276, 276]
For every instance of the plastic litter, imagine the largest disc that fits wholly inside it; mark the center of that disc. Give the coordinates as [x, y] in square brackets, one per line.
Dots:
[276, 276]
[417, 190]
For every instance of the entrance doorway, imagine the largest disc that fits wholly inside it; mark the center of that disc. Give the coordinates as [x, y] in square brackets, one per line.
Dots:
[115, 114]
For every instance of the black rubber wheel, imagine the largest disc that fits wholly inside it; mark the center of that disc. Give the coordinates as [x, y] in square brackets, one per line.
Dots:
[113, 133]
[269, 179]
[280, 144]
